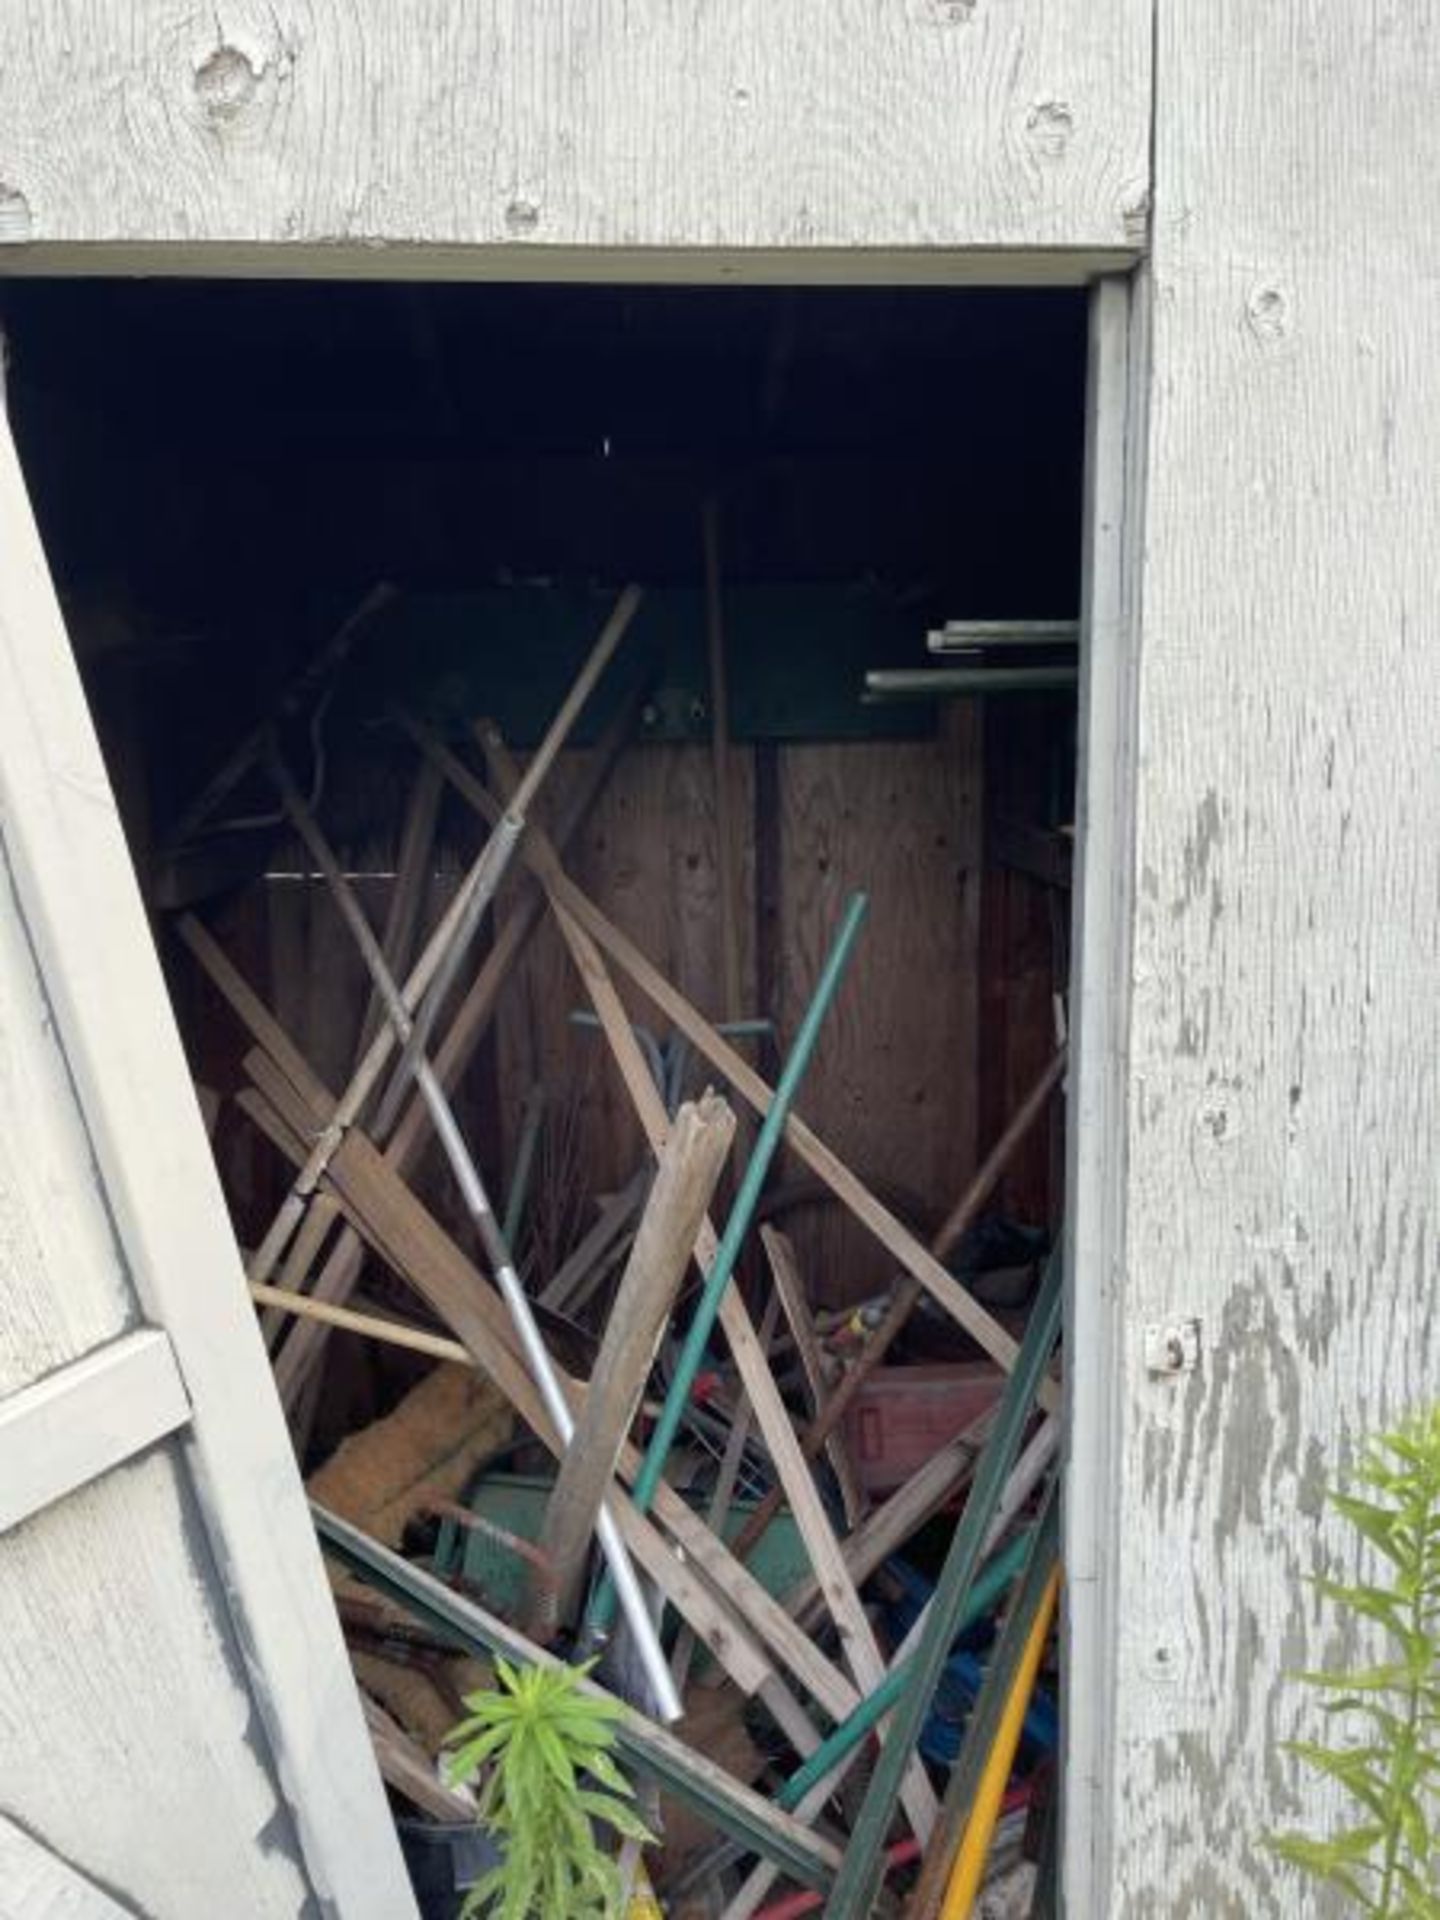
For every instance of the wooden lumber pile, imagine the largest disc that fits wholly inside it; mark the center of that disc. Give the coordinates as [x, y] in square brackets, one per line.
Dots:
[645, 1374]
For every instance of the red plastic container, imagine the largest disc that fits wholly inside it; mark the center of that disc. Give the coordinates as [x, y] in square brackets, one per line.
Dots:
[902, 1416]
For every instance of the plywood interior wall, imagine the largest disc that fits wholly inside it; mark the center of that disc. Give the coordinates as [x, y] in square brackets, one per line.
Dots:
[945, 1011]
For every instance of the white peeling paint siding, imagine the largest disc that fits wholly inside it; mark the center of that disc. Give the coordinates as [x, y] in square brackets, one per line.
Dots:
[1281, 1142]
[626, 124]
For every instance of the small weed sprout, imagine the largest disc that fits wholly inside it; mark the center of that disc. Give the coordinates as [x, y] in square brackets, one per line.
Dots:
[538, 1737]
[1387, 1860]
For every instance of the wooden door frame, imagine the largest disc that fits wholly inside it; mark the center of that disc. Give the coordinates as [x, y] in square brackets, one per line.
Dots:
[1107, 777]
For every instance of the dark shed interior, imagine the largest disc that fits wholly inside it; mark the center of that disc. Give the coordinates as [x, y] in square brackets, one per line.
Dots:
[371, 529]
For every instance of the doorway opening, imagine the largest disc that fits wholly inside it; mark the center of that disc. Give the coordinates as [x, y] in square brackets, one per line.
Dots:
[848, 509]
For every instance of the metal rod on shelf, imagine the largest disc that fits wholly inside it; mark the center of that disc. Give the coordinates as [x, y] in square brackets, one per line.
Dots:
[970, 636]
[944, 683]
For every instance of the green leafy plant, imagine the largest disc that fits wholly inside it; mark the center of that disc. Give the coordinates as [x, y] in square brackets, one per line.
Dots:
[1387, 1861]
[537, 1739]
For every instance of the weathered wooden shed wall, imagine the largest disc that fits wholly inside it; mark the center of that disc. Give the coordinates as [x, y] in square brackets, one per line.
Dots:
[518, 136]
[1274, 1149]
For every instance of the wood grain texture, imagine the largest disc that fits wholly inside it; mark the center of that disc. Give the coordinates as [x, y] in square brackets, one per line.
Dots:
[1282, 1106]
[689, 1166]
[403, 1232]
[892, 1089]
[648, 856]
[928, 124]
[789, 1293]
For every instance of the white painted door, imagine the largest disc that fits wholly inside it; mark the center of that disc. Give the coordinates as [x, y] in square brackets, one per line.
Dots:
[179, 1730]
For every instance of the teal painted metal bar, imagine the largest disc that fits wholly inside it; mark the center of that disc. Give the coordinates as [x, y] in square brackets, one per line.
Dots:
[692, 1353]
[859, 1879]
[990, 1584]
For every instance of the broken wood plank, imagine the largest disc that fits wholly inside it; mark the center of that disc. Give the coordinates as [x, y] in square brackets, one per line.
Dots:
[419, 1250]
[249, 1008]
[505, 835]
[790, 1292]
[659, 1693]
[690, 1164]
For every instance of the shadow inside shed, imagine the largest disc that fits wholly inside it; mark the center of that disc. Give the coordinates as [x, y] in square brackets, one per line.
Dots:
[223, 472]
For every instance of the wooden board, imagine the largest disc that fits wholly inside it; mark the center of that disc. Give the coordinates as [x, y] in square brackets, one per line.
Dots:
[892, 1085]
[936, 124]
[647, 855]
[1280, 1110]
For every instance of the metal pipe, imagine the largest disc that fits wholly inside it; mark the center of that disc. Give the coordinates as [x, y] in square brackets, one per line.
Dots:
[477, 1204]
[692, 1352]
[967, 636]
[292, 1208]
[816, 1780]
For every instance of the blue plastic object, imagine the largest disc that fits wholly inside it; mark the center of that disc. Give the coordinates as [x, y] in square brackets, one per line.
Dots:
[964, 1670]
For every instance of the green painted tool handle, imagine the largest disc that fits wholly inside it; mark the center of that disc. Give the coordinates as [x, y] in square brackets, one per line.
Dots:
[692, 1353]
[855, 1887]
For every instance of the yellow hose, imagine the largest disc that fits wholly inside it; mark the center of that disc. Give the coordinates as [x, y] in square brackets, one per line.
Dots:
[980, 1828]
